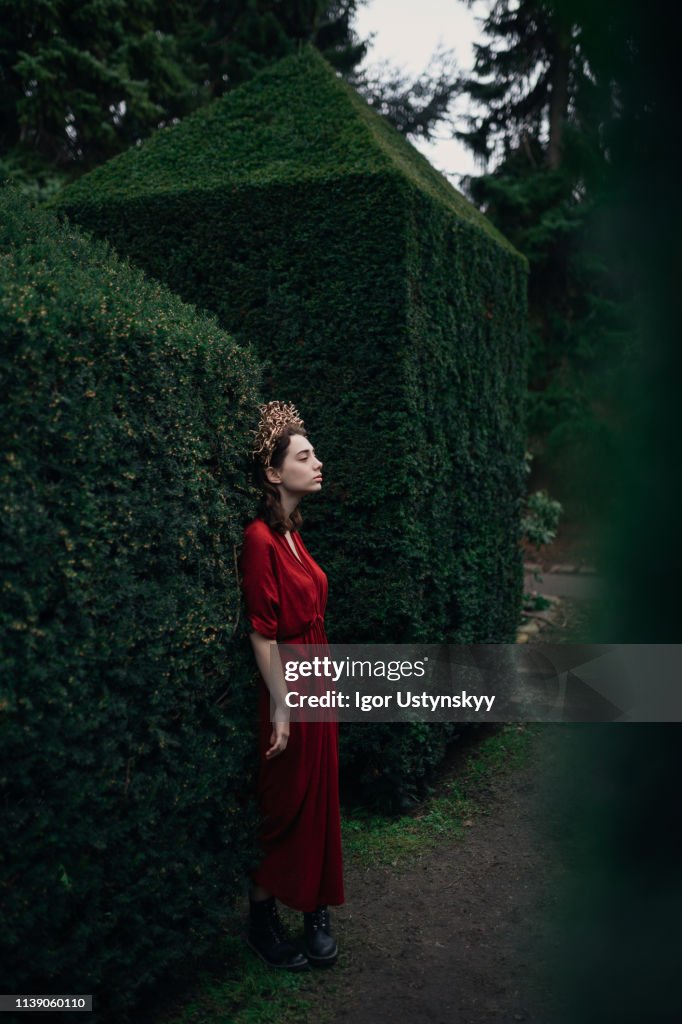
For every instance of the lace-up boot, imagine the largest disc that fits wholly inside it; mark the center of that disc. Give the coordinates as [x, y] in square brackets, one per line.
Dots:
[320, 946]
[268, 937]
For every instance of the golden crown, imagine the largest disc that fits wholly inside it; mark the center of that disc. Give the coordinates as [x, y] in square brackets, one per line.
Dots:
[274, 417]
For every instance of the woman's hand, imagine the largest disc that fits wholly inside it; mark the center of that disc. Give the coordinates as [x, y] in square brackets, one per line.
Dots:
[270, 665]
[279, 739]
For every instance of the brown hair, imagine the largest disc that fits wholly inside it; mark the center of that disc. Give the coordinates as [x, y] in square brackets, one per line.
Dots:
[270, 508]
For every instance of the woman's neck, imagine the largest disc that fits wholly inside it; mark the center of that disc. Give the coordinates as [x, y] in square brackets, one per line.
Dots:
[289, 504]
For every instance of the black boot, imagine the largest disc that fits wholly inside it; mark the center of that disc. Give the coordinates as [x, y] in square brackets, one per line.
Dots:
[268, 938]
[320, 946]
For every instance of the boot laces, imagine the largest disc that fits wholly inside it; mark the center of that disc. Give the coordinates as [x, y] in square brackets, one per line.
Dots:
[320, 918]
[276, 924]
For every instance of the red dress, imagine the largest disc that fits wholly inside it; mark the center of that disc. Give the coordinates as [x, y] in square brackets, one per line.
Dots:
[298, 790]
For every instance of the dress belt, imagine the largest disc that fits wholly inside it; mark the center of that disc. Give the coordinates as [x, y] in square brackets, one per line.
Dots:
[316, 620]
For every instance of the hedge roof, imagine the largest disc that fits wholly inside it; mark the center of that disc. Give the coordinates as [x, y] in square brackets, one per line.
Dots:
[295, 121]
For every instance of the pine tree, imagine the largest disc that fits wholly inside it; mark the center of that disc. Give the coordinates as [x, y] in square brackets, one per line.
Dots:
[239, 39]
[83, 80]
[539, 117]
[413, 105]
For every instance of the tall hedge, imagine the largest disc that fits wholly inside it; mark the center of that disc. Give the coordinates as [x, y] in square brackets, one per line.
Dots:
[389, 310]
[123, 834]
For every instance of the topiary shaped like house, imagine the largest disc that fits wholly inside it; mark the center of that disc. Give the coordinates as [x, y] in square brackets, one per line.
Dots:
[384, 305]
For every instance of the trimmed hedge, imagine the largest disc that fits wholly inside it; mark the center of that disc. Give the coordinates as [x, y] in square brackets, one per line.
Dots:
[390, 311]
[124, 836]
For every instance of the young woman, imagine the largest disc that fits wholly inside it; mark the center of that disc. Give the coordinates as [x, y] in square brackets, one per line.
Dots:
[286, 594]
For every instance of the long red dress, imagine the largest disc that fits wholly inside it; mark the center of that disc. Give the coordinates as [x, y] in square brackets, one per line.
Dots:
[298, 790]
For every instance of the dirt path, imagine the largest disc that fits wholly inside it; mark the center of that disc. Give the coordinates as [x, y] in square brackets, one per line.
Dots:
[456, 937]
[578, 586]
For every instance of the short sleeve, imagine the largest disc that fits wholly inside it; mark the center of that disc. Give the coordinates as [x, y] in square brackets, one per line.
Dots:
[259, 583]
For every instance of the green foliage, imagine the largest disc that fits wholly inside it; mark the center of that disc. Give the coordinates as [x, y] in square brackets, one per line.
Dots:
[244, 37]
[372, 837]
[524, 75]
[539, 524]
[388, 766]
[544, 116]
[534, 602]
[232, 986]
[393, 315]
[414, 105]
[125, 421]
[298, 124]
[82, 81]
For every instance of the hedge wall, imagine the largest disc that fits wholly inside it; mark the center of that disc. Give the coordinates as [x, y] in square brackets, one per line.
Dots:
[390, 311]
[123, 836]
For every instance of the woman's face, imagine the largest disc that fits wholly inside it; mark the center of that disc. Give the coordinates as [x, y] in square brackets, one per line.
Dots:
[301, 471]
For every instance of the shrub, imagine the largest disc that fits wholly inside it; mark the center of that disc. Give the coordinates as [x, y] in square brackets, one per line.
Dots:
[388, 309]
[125, 418]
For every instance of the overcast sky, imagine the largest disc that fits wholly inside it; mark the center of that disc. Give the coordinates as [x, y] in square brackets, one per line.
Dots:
[406, 33]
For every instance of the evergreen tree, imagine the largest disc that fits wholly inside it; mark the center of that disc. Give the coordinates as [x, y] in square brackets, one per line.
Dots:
[82, 81]
[245, 37]
[413, 105]
[540, 115]
[336, 37]
[239, 39]
[528, 78]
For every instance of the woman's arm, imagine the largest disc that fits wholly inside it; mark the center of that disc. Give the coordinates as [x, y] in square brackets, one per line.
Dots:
[270, 667]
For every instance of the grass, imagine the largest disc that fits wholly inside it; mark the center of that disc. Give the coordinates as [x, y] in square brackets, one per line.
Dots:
[375, 839]
[245, 991]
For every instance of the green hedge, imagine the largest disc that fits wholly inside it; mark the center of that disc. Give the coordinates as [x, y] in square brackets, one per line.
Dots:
[123, 835]
[389, 310]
